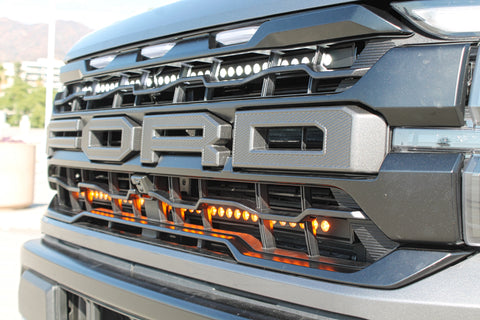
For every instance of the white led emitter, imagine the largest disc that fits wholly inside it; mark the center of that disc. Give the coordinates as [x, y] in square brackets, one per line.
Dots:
[236, 36]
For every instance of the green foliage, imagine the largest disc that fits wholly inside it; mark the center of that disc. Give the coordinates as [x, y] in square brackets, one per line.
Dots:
[23, 99]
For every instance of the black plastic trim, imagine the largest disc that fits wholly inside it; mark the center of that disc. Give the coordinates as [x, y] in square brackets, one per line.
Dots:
[399, 268]
[410, 86]
[419, 187]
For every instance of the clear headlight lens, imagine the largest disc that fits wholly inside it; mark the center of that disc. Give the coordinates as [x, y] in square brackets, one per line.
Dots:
[445, 18]
[437, 139]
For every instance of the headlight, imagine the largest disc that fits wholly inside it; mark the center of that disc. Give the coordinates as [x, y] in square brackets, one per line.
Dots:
[465, 139]
[445, 18]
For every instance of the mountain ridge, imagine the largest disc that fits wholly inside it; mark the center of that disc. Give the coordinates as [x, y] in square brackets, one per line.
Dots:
[28, 42]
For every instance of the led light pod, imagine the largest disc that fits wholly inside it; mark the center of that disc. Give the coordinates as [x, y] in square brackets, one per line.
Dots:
[157, 51]
[236, 36]
[102, 62]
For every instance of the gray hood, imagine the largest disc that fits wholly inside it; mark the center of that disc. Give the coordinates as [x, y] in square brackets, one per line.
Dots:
[182, 16]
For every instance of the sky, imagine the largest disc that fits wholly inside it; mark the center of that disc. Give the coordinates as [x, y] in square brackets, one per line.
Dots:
[92, 13]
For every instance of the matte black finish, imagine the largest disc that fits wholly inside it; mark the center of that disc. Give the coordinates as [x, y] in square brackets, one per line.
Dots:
[417, 86]
[416, 197]
[409, 86]
[421, 188]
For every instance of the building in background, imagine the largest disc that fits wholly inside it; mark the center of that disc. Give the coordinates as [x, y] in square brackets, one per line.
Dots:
[33, 72]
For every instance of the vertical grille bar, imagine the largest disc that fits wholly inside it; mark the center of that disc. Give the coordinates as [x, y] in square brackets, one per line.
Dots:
[175, 196]
[266, 228]
[310, 237]
[202, 193]
[268, 87]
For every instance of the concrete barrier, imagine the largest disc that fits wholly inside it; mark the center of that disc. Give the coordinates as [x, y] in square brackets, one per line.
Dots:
[17, 174]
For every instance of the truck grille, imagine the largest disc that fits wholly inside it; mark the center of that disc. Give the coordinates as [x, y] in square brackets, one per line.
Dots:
[107, 180]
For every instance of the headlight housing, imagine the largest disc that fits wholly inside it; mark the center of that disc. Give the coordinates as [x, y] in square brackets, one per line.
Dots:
[444, 18]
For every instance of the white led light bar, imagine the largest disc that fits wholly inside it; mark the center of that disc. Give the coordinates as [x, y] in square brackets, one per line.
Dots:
[157, 51]
[236, 36]
[101, 62]
[445, 139]
[447, 18]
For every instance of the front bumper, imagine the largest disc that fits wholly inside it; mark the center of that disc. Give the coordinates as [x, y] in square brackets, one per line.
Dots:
[138, 283]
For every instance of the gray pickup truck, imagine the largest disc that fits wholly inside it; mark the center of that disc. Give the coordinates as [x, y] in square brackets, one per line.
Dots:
[265, 160]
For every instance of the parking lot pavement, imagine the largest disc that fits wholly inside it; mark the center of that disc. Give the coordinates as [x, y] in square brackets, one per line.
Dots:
[17, 227]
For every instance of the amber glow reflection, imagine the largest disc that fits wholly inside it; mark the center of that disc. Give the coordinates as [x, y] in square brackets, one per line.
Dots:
[314, 226]
[253, 248]
[291, 261]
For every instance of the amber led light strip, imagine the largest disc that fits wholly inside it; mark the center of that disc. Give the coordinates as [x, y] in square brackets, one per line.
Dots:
[212, 214]
[135, 202]
[232, 214]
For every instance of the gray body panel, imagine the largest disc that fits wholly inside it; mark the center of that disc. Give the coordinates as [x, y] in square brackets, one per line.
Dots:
[425, 299]
[183, 16]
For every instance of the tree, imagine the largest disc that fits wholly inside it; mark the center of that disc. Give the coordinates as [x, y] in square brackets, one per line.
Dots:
[2, 75]
[23, 99]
